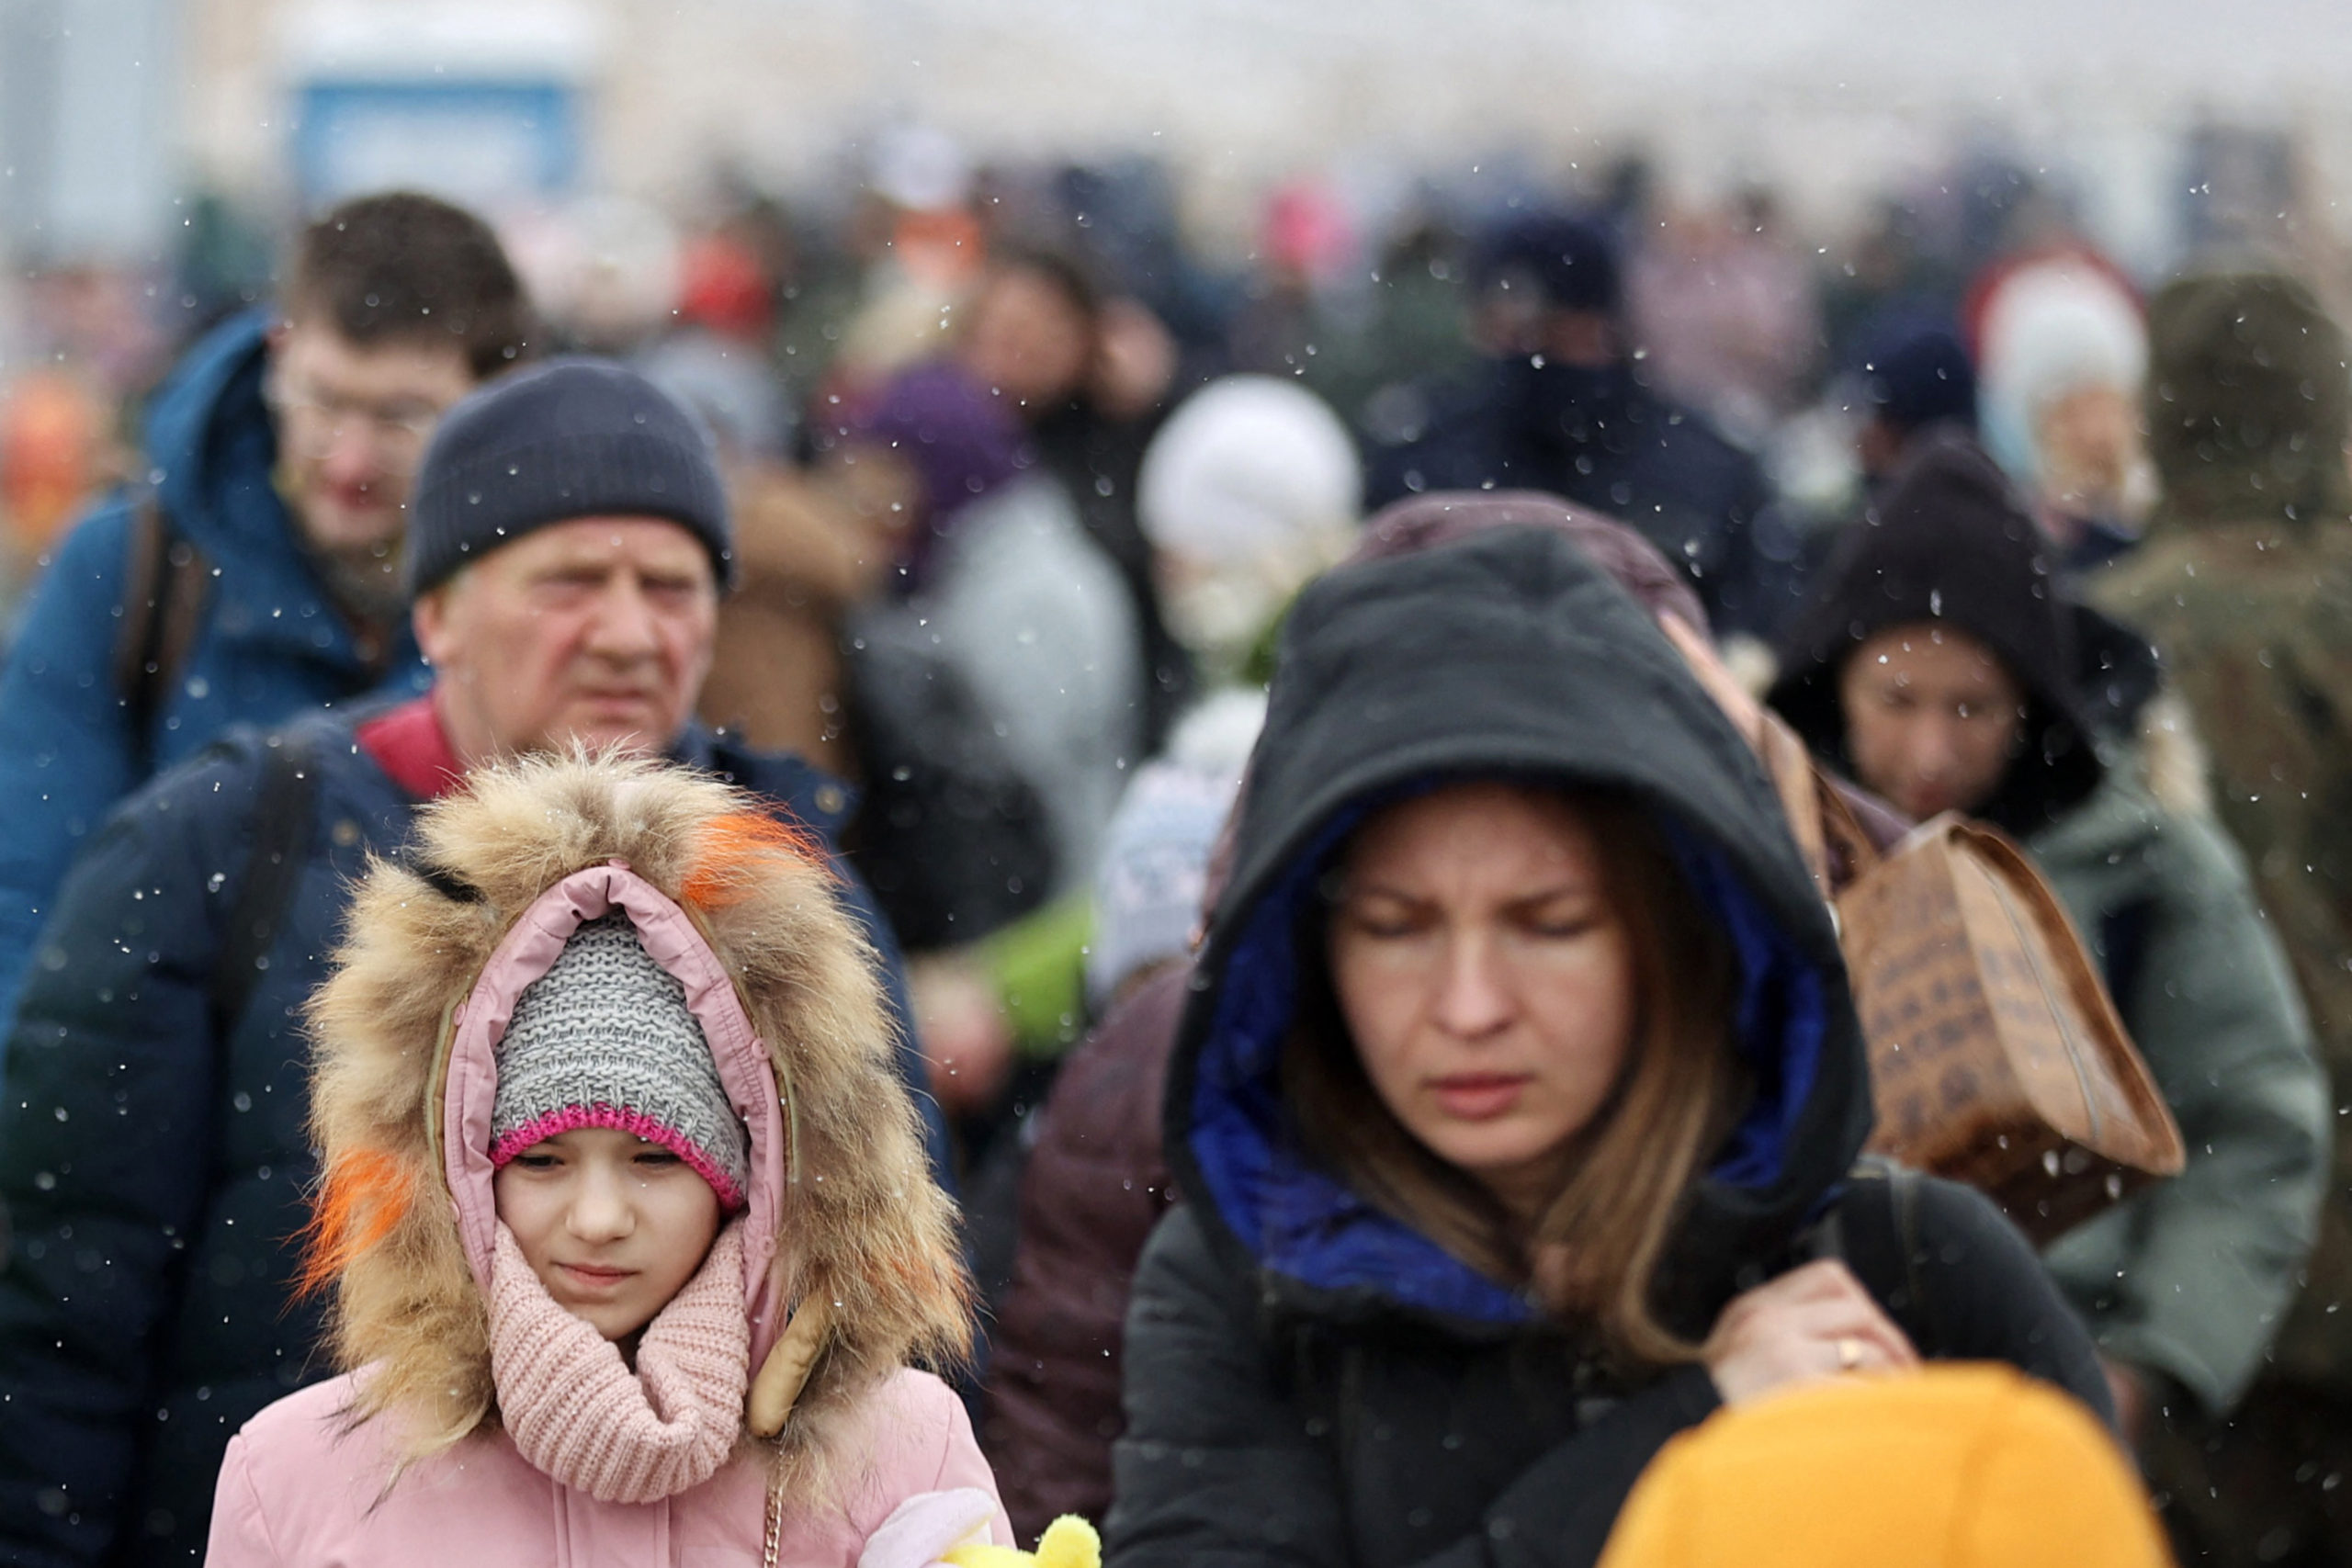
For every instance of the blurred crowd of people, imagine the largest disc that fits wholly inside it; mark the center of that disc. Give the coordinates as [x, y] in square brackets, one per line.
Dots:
[972, 527]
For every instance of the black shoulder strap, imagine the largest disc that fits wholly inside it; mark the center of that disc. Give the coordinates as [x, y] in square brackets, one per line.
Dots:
[164, 585]
[1876, 1232]
[284, 803]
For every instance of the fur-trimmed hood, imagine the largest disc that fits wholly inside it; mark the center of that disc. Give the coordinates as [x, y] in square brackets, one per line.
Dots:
[745, 913]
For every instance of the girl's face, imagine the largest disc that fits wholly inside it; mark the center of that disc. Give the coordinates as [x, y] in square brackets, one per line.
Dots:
[613, 1225]
[1933, 718]
[1486, 979]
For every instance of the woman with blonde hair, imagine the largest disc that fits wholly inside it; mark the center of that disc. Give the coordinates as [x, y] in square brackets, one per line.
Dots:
[631, 1239]
[1517, 1103]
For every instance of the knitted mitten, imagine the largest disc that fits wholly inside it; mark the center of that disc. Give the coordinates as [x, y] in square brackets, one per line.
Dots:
[578, 1413]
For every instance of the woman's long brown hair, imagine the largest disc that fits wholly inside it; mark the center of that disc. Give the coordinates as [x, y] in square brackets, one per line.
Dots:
[1592, 1254]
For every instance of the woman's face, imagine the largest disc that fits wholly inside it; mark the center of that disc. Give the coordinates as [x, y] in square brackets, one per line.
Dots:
[1933, 718]
[1027, 341]
[613, 1225]
[1486, 979]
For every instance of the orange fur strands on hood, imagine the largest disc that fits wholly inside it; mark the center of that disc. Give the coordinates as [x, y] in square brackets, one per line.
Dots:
[367, 1193]
[734, 853]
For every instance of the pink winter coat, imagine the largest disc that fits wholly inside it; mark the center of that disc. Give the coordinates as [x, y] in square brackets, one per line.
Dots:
[327, 1505]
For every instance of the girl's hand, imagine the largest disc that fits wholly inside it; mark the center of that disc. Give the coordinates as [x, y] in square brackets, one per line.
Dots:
[1810, 1324]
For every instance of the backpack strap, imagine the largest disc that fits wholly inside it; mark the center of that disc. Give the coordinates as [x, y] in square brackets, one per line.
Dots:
[1875, 1229]
[166, 581]
[284, 802]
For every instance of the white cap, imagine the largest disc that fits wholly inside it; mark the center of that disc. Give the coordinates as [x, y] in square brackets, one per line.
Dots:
[2049, 330]
[1247, 468]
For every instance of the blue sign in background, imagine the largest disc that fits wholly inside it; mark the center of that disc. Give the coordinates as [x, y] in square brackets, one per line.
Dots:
[486, 142]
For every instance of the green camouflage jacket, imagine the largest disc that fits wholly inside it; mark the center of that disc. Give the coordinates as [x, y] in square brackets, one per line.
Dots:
[2255, 620]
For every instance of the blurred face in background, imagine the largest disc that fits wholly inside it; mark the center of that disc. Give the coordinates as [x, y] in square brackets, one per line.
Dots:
[1586, 339]
[1933, 718]
[2088, 439]
[352, 423]
[1028, 339]
[598, 631]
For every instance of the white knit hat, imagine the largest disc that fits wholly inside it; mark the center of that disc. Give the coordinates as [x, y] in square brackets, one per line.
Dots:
[1251, 488]
[2049, 330]
[1248, 464]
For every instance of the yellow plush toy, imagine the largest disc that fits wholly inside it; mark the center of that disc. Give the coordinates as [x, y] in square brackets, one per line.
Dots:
[1068, 1542]
[950, 1529]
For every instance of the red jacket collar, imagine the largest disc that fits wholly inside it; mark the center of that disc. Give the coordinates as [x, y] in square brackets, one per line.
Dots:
[410, 745]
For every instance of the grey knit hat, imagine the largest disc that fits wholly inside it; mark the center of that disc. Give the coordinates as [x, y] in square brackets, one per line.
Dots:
[604, 1039]
[571, 438]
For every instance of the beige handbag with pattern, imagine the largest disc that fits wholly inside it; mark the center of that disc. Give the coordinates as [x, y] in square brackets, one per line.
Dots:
[1996, 1056]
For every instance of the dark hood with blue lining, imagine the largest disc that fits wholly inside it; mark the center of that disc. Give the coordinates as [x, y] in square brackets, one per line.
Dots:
[1508, 654]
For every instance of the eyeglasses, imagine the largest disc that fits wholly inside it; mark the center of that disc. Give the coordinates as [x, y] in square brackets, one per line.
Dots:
[311, 419]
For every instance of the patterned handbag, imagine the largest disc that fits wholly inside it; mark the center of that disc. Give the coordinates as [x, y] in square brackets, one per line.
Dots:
[1996, 1056]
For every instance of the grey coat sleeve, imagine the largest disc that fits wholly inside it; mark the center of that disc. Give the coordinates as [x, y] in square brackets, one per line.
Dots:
[2193, 1276]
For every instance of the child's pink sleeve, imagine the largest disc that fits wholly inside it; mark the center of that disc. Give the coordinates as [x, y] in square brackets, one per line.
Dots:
[933, 1491]
[964, 1465]
[240, 1536]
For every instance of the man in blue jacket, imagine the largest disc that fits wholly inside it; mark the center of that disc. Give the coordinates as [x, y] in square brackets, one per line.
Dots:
[568, 545]
[255, 572]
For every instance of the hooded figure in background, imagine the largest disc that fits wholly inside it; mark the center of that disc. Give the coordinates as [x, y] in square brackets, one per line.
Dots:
[1943, 665]
[1561, 406]
[1446, 1278]
[2245, 582]
[1948, 546]
[581, 950]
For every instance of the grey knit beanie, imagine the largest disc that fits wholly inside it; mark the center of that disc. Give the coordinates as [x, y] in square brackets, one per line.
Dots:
[571, 438]
[604, 1039]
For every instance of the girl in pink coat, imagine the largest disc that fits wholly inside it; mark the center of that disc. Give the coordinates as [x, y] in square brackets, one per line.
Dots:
[625, 1212]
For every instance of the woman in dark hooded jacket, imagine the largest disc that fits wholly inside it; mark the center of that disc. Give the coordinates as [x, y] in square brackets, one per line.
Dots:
[1943, 665]
[1517, 1103]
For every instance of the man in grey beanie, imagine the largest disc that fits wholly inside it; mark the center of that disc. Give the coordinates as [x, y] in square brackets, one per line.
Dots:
[567, 547]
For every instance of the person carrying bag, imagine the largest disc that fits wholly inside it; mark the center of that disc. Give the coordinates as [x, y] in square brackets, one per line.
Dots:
[1941, 666]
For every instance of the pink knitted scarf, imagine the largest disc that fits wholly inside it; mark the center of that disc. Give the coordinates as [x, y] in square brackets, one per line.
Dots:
[578, 1413]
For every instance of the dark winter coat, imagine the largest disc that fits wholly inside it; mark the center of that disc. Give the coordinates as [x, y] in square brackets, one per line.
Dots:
[1603, 440]
[1311, 1381]
[154, 1158]
[269, 644]
[1094, 1184]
